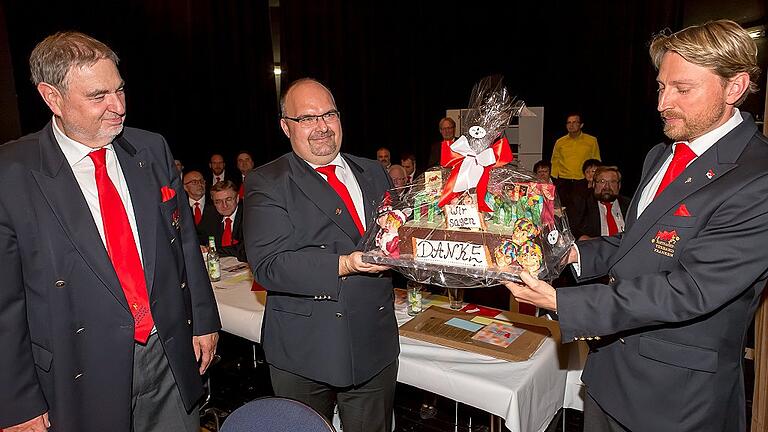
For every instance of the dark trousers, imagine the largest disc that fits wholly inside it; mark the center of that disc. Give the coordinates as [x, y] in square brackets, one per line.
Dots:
[597, 420]
[156, 401]
[365, 407]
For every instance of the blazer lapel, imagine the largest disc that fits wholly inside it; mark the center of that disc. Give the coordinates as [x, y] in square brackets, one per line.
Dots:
[719, 159]
[145, 198]
[62, 192]
[323, 196]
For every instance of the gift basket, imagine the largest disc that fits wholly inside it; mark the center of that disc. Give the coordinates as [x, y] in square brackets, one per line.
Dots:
[476, 219]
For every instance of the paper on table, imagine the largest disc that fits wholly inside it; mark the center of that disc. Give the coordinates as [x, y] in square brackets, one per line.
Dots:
[464, 324]
[485, 320]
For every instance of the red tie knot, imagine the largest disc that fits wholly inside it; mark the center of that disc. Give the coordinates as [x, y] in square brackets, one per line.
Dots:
[99, 157]
[328, 170]
[682, 151]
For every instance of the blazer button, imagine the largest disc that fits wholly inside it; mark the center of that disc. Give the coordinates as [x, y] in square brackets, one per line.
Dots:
[60, 283]
[189, 322]
[339, 315]
[173, 239]
[323, 246]
[622, 340]
[183, 285]
[597, 337]
[80, 330]
[611, 280]
[77, 377]
[343, 278]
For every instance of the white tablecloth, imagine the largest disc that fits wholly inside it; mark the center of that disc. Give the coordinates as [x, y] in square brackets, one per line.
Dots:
[525, 394]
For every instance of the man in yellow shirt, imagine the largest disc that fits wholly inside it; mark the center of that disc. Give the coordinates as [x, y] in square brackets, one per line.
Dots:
[569, 155]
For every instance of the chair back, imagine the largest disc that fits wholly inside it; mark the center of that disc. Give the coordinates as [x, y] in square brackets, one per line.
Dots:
[276, 414]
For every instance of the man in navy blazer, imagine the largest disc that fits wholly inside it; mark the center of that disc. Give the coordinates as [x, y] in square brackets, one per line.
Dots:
[687, 274]
[74, 358]
[329, 332]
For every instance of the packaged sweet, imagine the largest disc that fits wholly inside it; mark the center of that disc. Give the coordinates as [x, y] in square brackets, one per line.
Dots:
[477, 218]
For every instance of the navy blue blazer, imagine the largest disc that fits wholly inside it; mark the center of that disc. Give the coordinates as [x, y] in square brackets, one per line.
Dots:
[65, 326]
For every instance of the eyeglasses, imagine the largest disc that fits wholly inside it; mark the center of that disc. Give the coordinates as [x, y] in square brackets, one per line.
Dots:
[227, 201]
[308, 121]
[195, 182]
[604, 182]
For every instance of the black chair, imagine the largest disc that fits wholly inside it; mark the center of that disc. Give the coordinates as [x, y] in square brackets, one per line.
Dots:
[276, 414]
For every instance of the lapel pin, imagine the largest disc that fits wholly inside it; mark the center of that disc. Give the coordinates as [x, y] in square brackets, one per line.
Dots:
[338, 211]
[142, 164]
[710, 174]
[688, 180]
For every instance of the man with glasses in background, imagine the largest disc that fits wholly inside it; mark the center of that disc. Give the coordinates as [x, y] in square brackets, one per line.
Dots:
[329, 333]
[602, 212]
[227, 227]
[203, 212]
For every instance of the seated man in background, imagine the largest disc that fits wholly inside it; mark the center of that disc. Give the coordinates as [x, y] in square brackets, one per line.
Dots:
[244, 165]
[227, 228]
[384, 157]
[398, 175]
[203, 211]
[601, 213]
[408, 161]
[447, 128]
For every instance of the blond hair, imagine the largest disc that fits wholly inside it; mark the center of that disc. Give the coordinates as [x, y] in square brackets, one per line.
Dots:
[52, 59]
[722, 46]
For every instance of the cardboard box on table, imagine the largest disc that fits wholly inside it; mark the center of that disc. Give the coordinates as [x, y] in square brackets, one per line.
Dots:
[429, 326]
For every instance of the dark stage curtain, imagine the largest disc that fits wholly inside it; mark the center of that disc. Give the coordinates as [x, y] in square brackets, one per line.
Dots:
[197, 71]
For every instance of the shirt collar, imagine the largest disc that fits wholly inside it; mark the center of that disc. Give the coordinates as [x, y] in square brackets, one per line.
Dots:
[338, 161]
[74, 151]
[704, 142]
[232, 216]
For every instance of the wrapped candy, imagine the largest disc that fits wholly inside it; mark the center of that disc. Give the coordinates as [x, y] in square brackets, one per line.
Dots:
[476, 219]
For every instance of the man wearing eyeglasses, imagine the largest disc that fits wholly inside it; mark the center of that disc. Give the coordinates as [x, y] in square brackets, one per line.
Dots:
[329, 333]
[227, 227]
[203, 212]
[602, 212]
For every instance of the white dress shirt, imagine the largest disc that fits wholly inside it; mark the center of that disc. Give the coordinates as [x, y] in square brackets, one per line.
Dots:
[84, 170]
[698, 146]
[220, 177]
[232, 216]
[201, 201]
[346, 176]
[617, 216]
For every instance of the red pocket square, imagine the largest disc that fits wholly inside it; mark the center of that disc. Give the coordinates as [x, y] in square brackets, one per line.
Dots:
[682, 211]
[167, 193]
[255, 286]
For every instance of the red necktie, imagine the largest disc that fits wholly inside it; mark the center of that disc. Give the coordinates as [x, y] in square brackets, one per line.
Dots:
[338, 186]
[609, 219]
[682, 157]
[241, 192]
[226, 238]
[121, 248]
[198, 214]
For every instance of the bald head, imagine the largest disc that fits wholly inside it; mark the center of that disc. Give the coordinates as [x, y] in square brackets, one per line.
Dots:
[315, 134]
